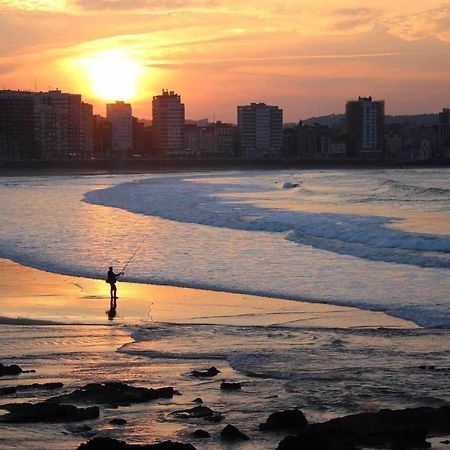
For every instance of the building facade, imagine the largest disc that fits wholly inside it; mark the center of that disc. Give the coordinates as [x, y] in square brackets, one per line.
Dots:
[365, 127]
[226, 139]
[58, 124]
[102, 131]
[17, 125]
[87, 131]
[260, 129]
[168, 125]
[121, 118]
[44, 125]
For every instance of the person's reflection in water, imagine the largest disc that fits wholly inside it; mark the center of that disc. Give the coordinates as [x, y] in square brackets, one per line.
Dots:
[112, 309]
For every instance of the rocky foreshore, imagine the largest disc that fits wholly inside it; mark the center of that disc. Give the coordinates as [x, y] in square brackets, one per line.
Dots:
[386, 429]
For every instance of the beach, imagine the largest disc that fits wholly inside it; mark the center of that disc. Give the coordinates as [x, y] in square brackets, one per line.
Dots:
[58, 326]
[325, 291]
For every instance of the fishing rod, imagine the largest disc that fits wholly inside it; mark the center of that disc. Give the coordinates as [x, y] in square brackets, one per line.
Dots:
[132, 256]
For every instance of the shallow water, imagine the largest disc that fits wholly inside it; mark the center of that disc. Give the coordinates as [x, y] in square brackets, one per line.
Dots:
[376, 239]
[326, 373]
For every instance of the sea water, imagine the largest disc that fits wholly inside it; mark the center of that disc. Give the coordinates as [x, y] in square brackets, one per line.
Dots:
[375, 239]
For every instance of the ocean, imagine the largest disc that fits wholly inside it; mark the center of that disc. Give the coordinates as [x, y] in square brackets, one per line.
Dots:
[377, 240]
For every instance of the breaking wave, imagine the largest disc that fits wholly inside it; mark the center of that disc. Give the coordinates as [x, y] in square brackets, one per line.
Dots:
[218, 205]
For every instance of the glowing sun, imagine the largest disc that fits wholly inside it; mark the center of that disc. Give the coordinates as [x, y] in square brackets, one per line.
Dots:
[113, 75]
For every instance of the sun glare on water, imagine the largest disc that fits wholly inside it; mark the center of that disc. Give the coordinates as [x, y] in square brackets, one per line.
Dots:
[113, 75]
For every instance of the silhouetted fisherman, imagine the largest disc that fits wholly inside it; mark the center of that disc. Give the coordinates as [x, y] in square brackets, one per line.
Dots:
[112, 279]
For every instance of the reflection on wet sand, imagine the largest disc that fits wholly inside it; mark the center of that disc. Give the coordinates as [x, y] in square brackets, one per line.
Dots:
[111, 313]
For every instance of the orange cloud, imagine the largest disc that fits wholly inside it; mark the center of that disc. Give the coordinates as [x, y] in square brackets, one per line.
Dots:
[433, 22]
[305, 56]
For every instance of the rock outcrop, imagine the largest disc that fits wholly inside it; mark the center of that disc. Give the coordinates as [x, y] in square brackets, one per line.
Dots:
[30, 387]
[14, 369]
[113, 394]
[291, 420]
[211, 372]
[47, 412]
[406, 428]
[230, 386]
[106, 443]
[198, 412]
[230, 432]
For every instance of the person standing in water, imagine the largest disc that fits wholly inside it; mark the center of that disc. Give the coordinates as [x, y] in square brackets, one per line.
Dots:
[112, 279]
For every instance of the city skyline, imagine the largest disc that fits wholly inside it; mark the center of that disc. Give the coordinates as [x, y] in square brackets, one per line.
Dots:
[309, 59]
[56, 125]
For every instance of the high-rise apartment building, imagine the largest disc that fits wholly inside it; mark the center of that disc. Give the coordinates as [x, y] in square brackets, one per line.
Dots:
[45, 125]
[168, 125]
[121, 118]
[17, 125]
[260, 128]
[58, 124]
[365, 127]
[102, 130]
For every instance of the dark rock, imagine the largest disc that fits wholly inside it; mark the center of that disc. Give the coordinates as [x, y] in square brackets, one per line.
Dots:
[230, 386]
[14, 369]
[113, 394]
[30, 387]
[168, 445]
[199, 412]
[201, 434]
[8, 390]
[211, 372]
[106, 443]
[118, 421]
[406, 428]
[216, 418]
[80, 429]
[43, 386]
[446, 442]
[193, 413]
[46, 412]
[284, 420]
[103, 443]
[232, 433]
[290, 185]
[197, 400]
[10, 370]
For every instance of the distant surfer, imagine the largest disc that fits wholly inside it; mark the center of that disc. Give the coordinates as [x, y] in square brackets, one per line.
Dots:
[112, 279]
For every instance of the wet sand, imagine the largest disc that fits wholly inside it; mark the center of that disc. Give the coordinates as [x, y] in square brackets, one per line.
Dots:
[34, 295]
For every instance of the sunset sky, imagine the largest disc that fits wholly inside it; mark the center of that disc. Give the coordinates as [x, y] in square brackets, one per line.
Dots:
[308, 57]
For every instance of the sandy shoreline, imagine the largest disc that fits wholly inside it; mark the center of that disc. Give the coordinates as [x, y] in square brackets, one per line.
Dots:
[42, 296]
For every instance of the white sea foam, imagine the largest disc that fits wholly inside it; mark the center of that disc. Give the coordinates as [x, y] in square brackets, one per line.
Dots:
[184, 200]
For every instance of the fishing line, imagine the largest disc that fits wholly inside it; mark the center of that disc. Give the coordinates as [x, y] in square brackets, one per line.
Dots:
[133, 255]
